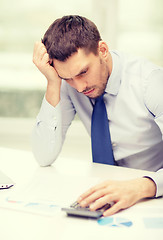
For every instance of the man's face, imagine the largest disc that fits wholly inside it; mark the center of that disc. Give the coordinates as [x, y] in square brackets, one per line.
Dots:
[87, 73]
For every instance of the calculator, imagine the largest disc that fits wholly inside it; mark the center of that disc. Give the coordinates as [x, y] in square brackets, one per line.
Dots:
[76, 210]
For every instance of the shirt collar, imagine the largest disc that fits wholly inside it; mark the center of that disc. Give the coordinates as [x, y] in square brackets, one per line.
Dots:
[114, 80]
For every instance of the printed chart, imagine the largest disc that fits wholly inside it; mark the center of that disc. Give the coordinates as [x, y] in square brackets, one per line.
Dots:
[45, 208]
[115, 222]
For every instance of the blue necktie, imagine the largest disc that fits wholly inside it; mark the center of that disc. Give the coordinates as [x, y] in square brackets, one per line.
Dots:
[100, 134]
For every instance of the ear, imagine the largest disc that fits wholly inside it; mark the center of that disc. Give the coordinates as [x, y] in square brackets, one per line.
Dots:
[103, 49]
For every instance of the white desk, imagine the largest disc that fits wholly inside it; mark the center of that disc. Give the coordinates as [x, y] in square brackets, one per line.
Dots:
[63, 182]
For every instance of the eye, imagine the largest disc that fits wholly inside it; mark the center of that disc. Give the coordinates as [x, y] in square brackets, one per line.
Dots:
[83, 72]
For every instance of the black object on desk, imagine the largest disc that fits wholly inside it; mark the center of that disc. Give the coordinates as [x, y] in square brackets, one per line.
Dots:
[5, 181]
[76, 210]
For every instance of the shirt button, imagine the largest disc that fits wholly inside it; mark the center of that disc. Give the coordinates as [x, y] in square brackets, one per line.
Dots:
[114, 145]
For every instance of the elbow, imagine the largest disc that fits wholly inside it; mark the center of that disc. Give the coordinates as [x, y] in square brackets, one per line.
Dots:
[45, 155]
[43, 158]
[46, 146]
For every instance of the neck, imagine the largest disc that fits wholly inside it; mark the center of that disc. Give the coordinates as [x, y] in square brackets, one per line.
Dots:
[109, 63]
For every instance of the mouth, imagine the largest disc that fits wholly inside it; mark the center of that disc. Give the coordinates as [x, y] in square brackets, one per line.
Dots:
[87, 93]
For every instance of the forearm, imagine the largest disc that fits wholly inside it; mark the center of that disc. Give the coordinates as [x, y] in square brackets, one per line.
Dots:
[52, 94]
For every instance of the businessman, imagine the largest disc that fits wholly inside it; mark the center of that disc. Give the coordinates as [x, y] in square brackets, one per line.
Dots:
[117, 97]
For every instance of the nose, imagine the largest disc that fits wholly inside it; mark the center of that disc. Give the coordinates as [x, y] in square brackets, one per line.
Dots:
[79, 85]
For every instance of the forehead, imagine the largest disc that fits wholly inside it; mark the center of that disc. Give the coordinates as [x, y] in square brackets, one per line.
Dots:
[74, 64]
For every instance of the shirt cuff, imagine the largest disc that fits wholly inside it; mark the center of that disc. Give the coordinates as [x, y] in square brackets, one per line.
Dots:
[48, 114]
[157, 177]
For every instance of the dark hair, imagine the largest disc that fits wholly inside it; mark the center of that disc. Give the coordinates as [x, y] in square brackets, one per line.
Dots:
[69, 33]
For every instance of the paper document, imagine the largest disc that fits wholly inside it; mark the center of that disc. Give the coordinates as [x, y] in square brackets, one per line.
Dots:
[47, 193]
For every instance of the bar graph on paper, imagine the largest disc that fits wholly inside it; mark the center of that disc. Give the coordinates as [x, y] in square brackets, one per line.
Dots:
[38, 207]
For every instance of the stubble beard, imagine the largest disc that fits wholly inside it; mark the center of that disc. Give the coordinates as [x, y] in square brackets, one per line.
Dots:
[101, 90]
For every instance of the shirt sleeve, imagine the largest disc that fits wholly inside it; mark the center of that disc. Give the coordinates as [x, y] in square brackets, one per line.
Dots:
[157, 177]
[154, 103]
[47, 134]
[51, 126]
[153, 94]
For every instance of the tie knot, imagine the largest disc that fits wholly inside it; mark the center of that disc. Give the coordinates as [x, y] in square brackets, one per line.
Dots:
[100, 98]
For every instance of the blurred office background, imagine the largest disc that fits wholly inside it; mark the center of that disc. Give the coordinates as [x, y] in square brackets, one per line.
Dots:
[134, 27]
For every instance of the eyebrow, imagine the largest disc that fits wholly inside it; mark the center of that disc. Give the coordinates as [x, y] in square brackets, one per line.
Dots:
[77, 75]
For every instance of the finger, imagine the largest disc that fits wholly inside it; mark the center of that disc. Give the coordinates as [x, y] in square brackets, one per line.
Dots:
[39, 51]
[103, 201]
[45, 59]
[36, 46]
[114, 209]
[91, 191]
[93, 197]
[87, 194]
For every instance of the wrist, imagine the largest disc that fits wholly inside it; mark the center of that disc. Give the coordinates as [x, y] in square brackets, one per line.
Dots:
[149, 187]
[52, 94]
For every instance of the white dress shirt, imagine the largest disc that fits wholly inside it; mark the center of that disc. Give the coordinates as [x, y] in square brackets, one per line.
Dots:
[134, 102]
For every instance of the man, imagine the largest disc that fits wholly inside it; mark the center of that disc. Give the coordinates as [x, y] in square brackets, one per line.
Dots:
[79, 68]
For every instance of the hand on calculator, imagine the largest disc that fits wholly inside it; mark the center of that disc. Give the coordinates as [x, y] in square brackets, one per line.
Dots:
[76, 210]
